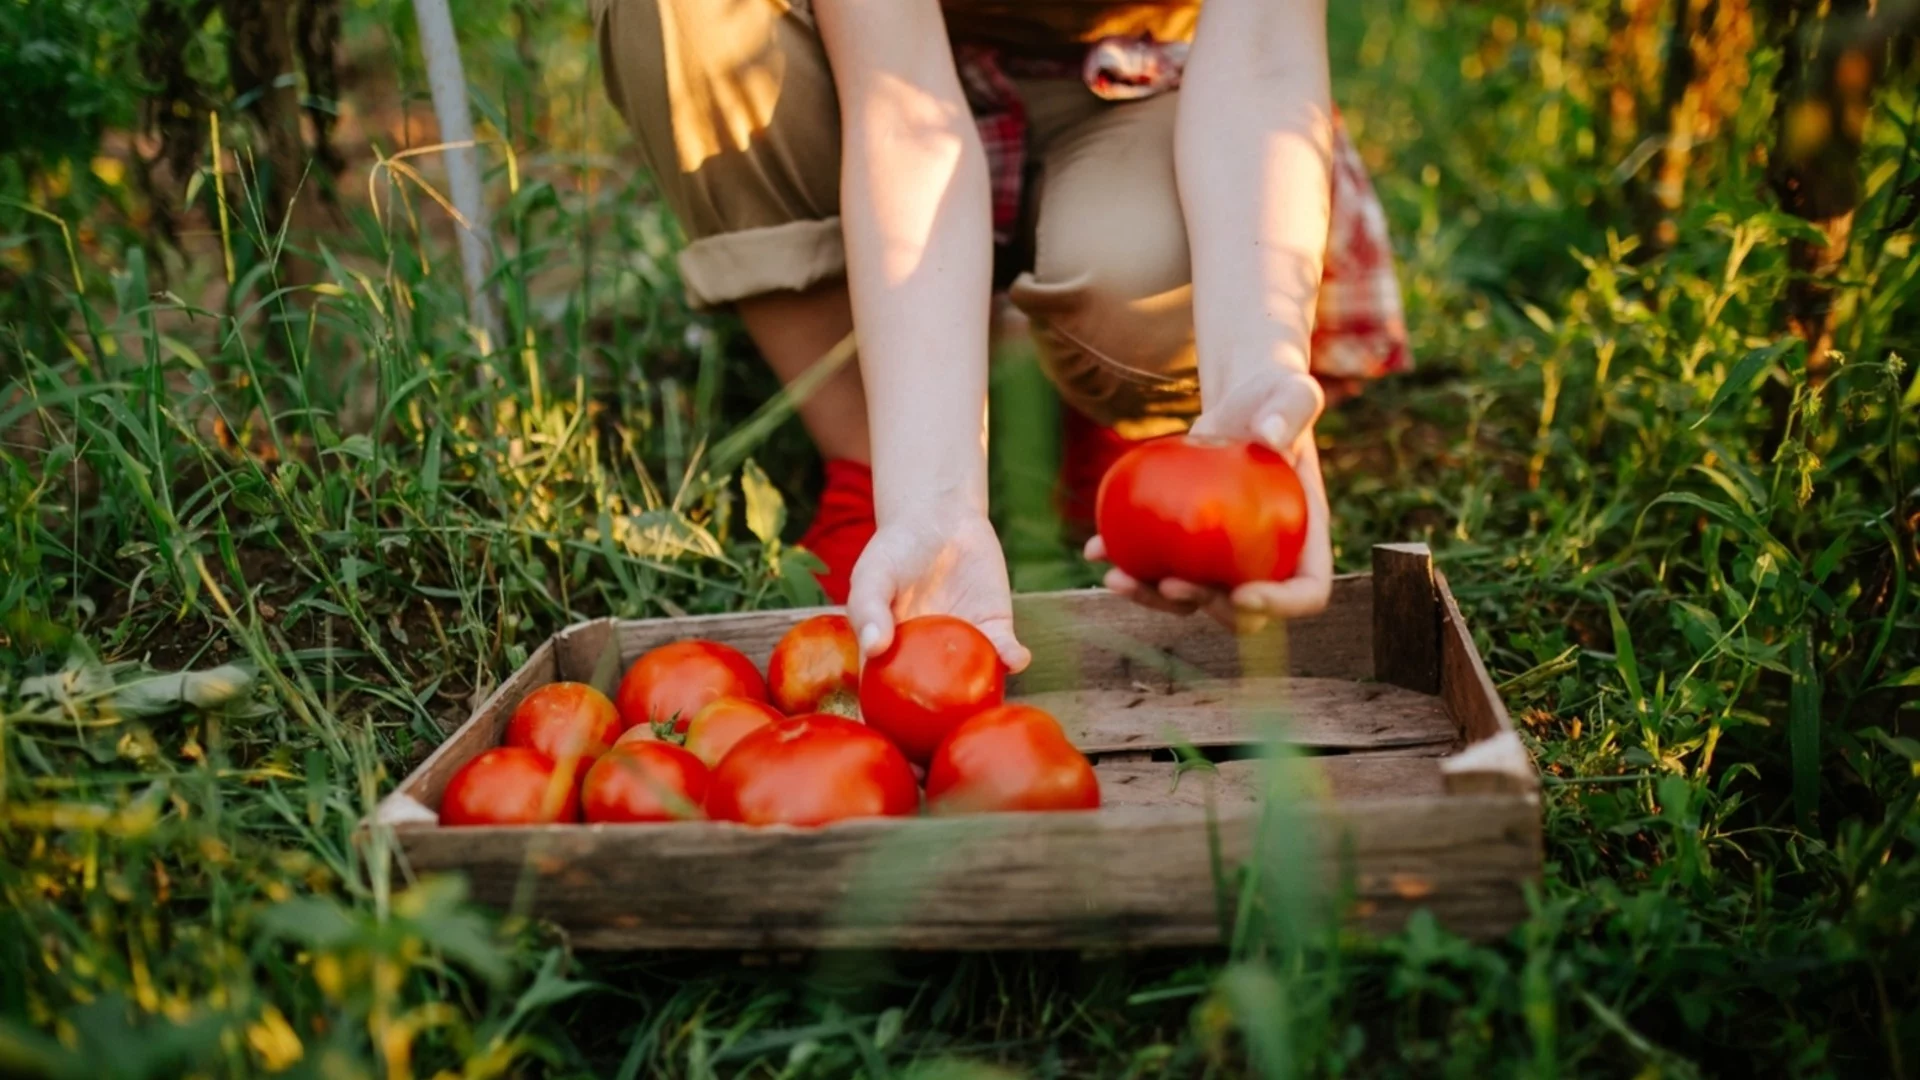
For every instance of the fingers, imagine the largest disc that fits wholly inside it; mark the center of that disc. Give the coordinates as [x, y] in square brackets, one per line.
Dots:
[1186, 592]
[1276, 409]
[1119, 582]
[870, 605]
[1012, 653]
[1295, 598]
[1096, 550]
[1307, 592]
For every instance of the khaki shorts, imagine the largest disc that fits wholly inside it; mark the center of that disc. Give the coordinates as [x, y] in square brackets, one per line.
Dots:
[734, 109]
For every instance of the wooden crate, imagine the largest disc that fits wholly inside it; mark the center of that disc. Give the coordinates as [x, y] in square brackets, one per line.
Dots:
[1427, 798]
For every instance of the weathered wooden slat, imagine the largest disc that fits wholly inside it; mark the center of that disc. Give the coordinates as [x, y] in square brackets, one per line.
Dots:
[1092, 638]
[1500, 761]
[1321, 713]
[1234, 784]
[484, 730]
[1125, 877]
[1406, 618]
[1079, 638]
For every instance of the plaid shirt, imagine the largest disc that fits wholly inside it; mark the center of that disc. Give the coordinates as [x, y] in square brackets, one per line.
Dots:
[1359, 329]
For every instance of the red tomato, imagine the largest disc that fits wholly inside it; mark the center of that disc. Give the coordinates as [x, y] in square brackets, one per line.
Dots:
[816, 668]
[644, 780]
[673, 681]
[510, 785]
[938, 672]
[1011, 758]
[564, 720]
[810, 770]
[1206, 511]
[724, 722]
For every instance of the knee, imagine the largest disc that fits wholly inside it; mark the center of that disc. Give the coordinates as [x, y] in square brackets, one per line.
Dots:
[1115, 334]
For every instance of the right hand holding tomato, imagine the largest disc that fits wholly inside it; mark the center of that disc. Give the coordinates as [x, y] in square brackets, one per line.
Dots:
[940, 562]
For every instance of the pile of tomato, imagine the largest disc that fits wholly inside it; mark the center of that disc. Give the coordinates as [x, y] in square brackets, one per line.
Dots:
[694, 731]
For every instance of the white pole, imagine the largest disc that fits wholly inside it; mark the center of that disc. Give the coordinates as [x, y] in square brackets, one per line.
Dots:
[448, 81]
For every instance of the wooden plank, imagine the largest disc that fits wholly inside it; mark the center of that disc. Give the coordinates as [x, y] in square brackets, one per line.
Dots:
[1093, 638]
[1502, 763]
[1322, 713]
[1125, 877]
[1237, 785]
[1406, 618]
[1080, 637]
[483, 731]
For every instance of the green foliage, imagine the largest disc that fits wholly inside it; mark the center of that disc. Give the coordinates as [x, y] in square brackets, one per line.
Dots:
[66, 81]
[1690, 565]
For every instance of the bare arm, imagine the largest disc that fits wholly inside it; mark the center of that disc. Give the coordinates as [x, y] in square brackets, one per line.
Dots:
[918, 229]
[1252, 146]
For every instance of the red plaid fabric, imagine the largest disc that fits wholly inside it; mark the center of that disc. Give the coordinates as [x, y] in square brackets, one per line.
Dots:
[1359, 325]
[1002, 119]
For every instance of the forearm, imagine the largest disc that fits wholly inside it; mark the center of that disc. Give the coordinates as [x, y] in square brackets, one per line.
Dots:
[919, 252]
[1252, 146]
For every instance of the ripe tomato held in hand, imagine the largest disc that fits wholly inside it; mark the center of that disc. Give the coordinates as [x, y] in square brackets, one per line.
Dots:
[938, 672]
[723, 722]
[811, 770]
[644, 780]
[1014, 757]
[511, 785]
[564, 720]
[816, 668]
[1210, 512]
[672, 682]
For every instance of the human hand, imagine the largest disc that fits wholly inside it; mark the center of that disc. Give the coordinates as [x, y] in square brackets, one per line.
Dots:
[1277, 407]
[934, 562]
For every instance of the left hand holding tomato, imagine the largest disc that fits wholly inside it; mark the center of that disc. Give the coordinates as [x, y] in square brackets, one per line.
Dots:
[1277, 407]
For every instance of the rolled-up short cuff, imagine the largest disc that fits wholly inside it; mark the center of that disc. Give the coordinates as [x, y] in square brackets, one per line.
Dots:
[728, 267]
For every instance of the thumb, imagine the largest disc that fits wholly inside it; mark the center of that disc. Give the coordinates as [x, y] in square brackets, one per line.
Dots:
[1288, 413]
[870, 605]
[1012, 653]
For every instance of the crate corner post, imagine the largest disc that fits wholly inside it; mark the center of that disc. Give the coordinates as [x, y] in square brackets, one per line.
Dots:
[1406, 617]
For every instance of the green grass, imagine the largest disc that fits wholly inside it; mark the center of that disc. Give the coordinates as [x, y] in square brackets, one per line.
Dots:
[1712, 643]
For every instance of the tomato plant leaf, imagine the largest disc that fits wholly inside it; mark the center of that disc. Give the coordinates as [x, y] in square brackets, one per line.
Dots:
[766, 511]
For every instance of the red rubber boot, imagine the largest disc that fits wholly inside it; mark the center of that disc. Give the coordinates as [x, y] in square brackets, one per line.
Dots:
[842, 525]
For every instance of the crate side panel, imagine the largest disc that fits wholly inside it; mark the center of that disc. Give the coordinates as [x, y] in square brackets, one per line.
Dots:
[1496, 759]
[482, 731]
[1130, 878]
[1093, 638]
[754, 633]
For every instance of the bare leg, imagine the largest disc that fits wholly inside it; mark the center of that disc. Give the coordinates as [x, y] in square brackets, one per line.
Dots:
[793, 330]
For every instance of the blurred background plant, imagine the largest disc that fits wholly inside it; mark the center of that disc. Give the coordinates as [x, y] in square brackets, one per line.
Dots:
[275, 517]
